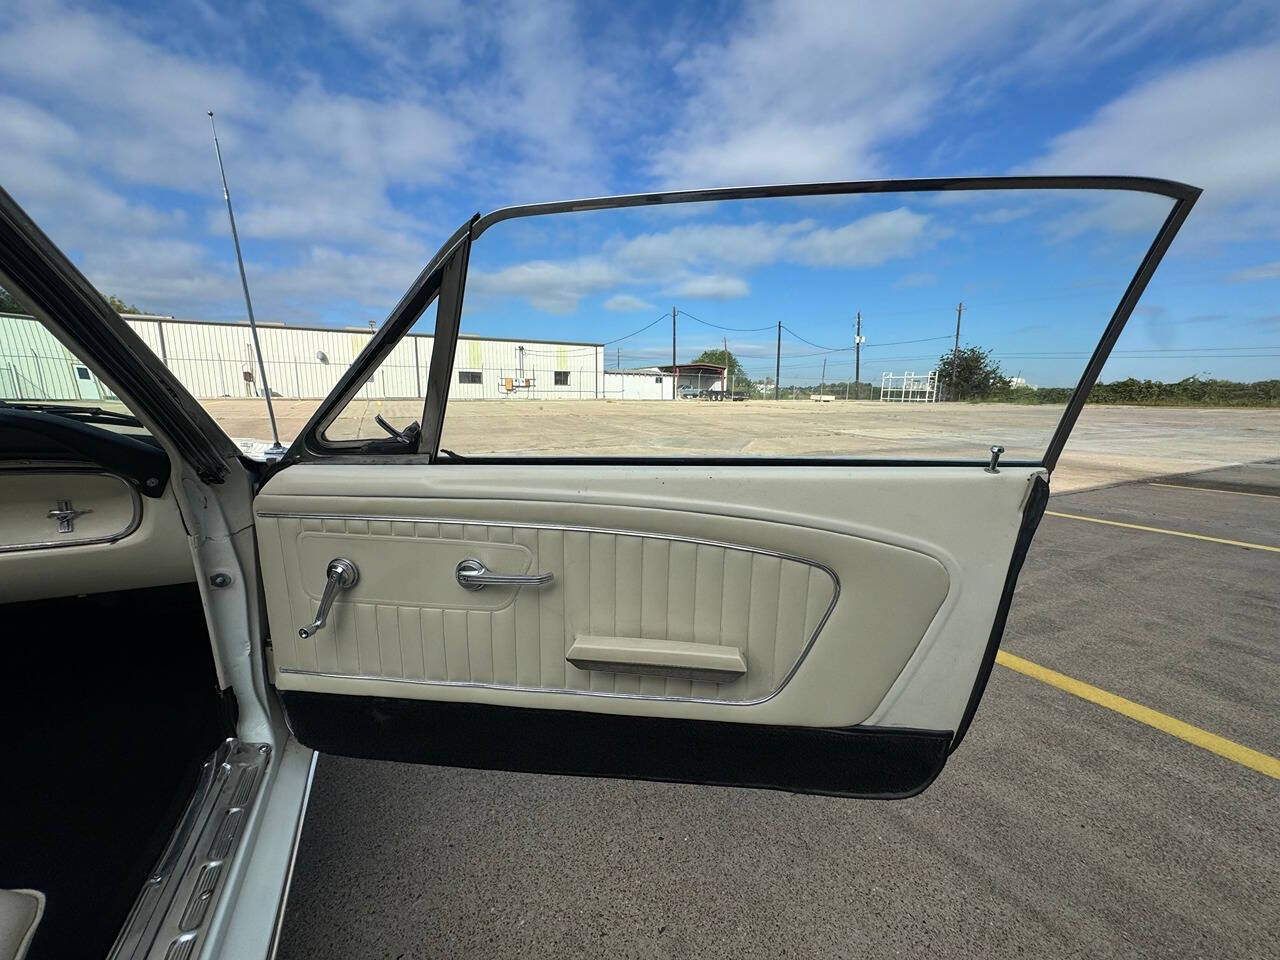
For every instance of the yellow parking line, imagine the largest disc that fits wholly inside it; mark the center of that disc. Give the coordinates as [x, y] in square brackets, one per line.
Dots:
[1171, 533]
[1223, 747]
[1238, 493]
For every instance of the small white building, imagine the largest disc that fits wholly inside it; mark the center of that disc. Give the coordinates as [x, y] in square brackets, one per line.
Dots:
[641, 383]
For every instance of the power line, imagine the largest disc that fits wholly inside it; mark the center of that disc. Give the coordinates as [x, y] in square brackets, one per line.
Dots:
[718, 326]
[898, 343]
[812, 344]
[637, 333]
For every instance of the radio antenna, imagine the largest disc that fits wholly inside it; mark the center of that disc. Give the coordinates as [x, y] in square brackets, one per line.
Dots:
[275, 450]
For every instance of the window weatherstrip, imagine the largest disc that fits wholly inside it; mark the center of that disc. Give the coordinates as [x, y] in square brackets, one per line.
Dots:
[444, 347]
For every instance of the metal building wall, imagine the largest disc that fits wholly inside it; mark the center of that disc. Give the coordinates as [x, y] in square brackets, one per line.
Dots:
[217, 360]
[34, 365]
[521, 361]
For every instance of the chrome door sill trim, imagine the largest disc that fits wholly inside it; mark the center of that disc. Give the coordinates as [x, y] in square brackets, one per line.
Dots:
[763, 551]
[178, 899]
[278, 928]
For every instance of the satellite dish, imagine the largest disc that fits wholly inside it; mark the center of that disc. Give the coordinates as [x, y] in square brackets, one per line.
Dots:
[320, 355]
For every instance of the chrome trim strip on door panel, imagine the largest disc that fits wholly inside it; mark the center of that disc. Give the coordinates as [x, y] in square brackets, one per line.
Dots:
[134, 522]
[574, 528]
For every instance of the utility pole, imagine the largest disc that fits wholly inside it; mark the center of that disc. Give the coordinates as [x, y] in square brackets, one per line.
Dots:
[857, 352]
[777, 364]
[955, 352]
[276, 448]
[675, 372]
[724, 380]
[824, 377]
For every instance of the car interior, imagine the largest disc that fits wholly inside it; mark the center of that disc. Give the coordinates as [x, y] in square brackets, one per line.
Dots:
[110, 699]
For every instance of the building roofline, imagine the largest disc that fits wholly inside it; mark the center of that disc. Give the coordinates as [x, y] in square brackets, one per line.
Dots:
[277, 325]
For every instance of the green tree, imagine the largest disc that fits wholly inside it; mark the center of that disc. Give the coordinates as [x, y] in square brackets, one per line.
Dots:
[9, 303]
[735, 371]
[976, 375]
[119, 306]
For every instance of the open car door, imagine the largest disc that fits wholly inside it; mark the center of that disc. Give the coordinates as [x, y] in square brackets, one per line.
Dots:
[470, 590]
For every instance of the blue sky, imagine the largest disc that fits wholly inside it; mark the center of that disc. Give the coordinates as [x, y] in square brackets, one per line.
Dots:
[358, 134]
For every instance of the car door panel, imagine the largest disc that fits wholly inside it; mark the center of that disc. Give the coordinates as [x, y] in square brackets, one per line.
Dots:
[824, 625]
[827, 598]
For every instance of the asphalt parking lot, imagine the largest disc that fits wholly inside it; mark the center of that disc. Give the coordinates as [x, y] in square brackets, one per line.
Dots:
[1060, 828]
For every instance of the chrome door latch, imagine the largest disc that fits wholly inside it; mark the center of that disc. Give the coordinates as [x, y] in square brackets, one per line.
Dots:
[474, 575]
[66, 515]
[994, 465]
[342, 575]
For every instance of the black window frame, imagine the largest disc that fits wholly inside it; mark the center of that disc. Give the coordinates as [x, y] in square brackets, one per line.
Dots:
[445, 276]
[477, 374]
[557, 382]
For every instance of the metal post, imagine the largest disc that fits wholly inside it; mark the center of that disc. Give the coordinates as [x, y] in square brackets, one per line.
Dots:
[777, 363]
[857, 352]
[724, 377]
[276, 447]
[417, 367]
[164, 353]
[823, 384]
[955, 354]
[35, 357]
[675, 372]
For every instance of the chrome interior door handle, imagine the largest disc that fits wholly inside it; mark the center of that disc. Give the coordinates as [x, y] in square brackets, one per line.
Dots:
[474, 575]
[342, 575]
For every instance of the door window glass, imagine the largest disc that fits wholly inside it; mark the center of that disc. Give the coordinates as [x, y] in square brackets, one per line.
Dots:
[918, 325]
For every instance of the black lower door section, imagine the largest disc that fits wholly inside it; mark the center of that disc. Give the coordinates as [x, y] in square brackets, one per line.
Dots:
[887, 763]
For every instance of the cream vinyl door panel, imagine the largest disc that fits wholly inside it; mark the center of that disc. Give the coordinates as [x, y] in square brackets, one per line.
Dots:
[918, 556]
[418, 624]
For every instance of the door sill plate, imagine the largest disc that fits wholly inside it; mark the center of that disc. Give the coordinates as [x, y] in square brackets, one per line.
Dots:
[175, 905]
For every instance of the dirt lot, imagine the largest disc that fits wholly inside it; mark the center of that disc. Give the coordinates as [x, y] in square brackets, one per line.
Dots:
[1109, 444]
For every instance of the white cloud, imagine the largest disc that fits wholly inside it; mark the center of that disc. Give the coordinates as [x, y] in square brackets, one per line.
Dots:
[705, 260]
[627, 302]
[1207, 123]
[106, 115]
[1262, 271]
[556, 287]
[867, 242]
[814, 90]
[712, 287]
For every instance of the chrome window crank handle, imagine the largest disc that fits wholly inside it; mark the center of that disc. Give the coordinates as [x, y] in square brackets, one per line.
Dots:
[342, 575]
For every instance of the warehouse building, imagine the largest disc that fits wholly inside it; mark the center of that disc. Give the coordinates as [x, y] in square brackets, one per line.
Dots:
[217, 360]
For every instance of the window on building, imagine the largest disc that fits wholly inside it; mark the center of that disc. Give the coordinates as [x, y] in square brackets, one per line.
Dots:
[472, 376]
[657, 379]
[562, 378]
